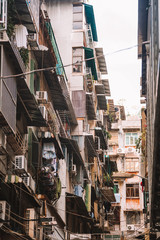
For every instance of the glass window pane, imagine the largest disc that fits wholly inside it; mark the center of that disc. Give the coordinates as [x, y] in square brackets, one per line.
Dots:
[137, 192]
[131, 140]
[77, 17]
[77, 9]
[132, 192]
[127, 166]
[127, 140]
[132, 166]
[77, 25]
[127, 192]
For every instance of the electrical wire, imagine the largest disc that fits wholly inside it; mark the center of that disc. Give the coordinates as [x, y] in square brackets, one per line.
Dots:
[71, 64]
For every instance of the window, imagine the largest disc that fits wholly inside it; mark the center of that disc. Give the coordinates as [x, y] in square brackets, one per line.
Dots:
[77, 17]
[133, 218]
[77, 60]
[132, 165]
[130, 139]
[132, 190]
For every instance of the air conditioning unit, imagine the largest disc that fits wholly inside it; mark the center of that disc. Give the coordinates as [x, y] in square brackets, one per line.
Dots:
[30, 226]
[74, 169]
[97, 143]
[130, 150]
[5, 211]
[42, 96]
[20, 162]
[3, 139]
[130, 227]
[28, 180]
[120, 151]
[44, 112]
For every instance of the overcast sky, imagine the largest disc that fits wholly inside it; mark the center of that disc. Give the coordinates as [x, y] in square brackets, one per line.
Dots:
[116, 22]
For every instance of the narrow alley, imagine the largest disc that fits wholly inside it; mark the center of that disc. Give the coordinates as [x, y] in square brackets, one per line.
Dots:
[75, 163]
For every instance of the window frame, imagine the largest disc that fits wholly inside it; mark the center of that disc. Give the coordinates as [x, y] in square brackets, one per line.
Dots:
[79, 64]
[77, 13]
[132, 190]
[132, 136]
[130, 162]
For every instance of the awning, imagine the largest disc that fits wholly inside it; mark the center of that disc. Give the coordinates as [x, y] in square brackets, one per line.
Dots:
[90, 107]
[72, 145]
[108, 194]
[99, 88]
[91, 63]
[102, 102]
[111, 105]
[90, 145]
[101, 60]
[106, 87]
[91, 20]
[29, 199]
[33, 113]
[99, 133]
[79, 209]
[24, 15]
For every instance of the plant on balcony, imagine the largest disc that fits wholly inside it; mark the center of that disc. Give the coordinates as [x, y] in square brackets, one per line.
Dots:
[25, 55]
[107, 180]
[10, 18]
[141, 143]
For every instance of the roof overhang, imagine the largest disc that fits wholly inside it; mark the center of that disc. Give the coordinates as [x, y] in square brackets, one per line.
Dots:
[89, 54]
[108, 194]
[91, 20]
[101, 60]
[90, 106]
[122, 175]
[99, 88]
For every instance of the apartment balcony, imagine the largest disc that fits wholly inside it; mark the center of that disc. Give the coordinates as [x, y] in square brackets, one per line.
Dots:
[99, 132]
[56, 78]
[26, 15]
[90, 106]
[90, 63]
[108, 194]
[88, 80]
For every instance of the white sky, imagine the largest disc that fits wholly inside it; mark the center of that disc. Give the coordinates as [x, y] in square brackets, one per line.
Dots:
[116, 22]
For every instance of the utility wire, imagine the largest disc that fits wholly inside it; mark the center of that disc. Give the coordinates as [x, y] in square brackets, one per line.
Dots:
[68, 65]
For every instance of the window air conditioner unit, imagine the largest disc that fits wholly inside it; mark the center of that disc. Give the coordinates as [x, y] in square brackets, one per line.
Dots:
[120, 151]
[28, 180]
[130, 150]
[74, 169]
[131, 227]
[5, 211]
[44, 112]
[30, 226]
[20, 162]
[3, 139]
[42, 96]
